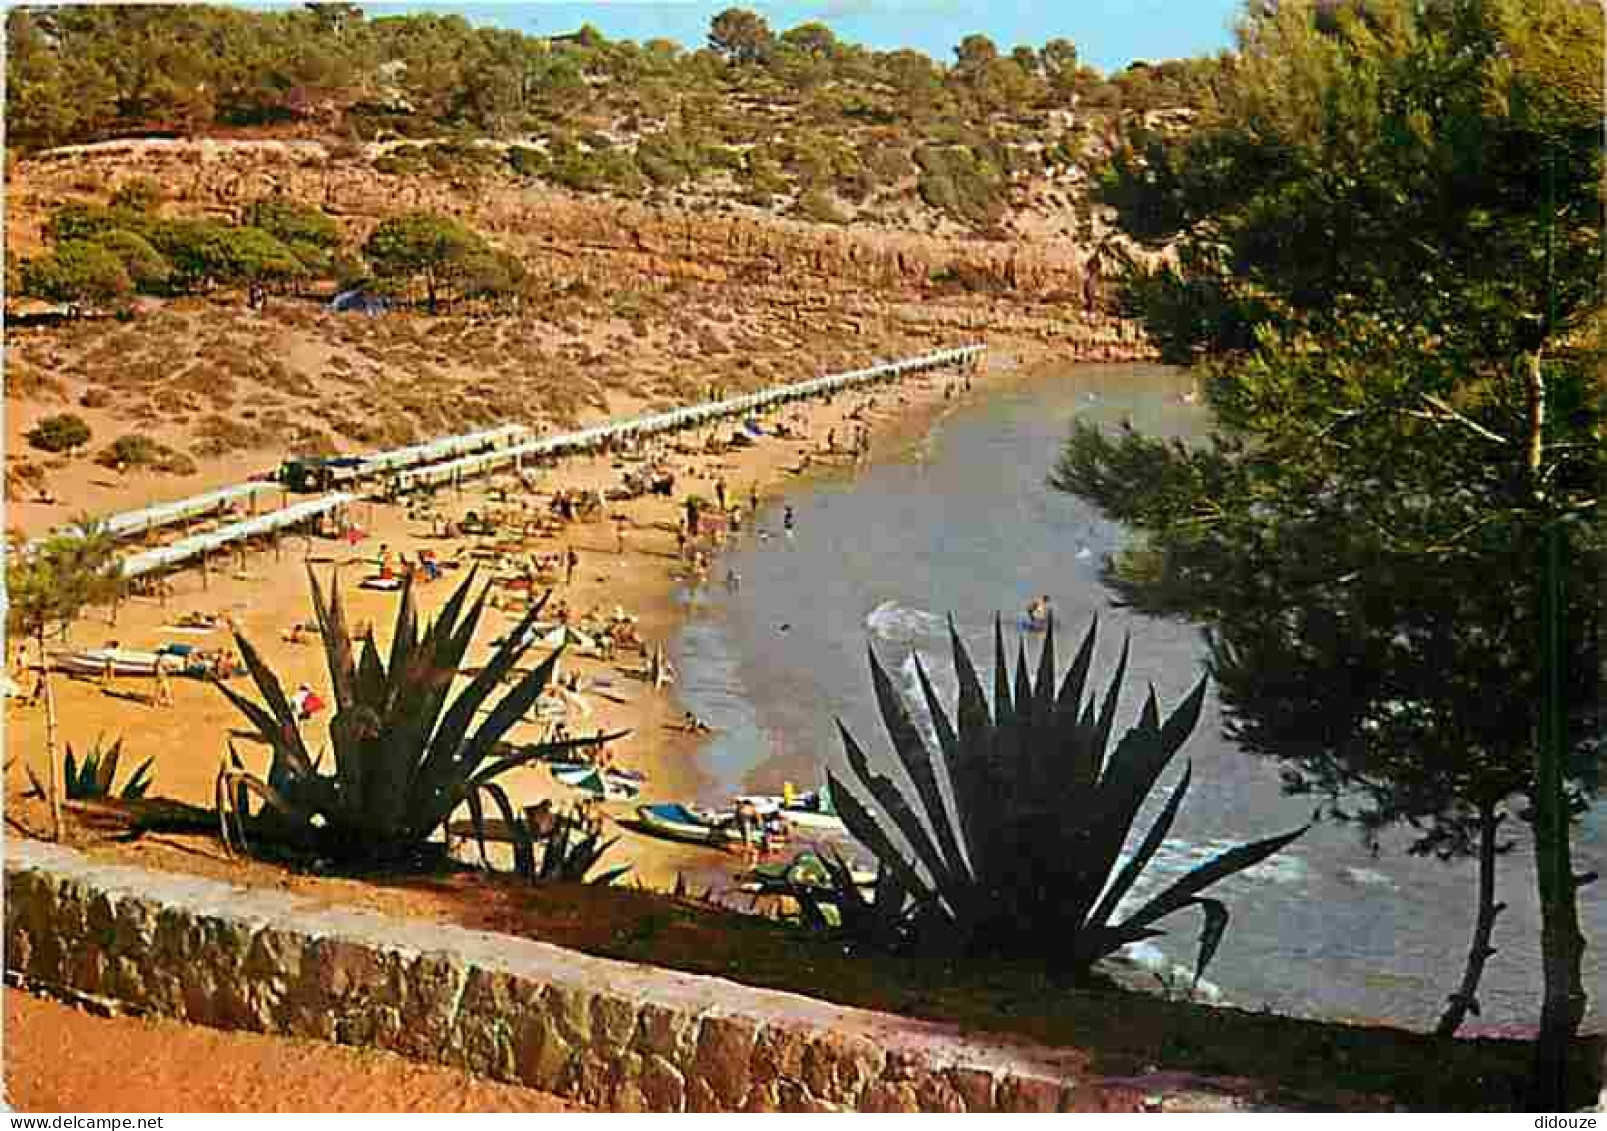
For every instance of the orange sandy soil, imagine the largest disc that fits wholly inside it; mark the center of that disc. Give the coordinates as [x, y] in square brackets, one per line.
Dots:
[58, 1058]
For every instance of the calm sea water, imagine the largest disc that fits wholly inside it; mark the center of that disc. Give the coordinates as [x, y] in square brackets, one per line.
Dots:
[959, 521]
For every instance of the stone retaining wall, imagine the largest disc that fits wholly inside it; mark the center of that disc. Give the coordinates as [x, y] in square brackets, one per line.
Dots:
[608, 1033]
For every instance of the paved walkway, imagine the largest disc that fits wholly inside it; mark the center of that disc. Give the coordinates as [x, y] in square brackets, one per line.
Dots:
[58, 1058]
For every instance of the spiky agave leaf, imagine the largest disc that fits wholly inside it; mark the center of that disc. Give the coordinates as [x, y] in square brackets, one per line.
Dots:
[920, 765]
[100, 767]
[418, 683]
[948, 743]
[1211, 932]
[1183, 891]
[139, 782]
[1128, 876]
[866, 829]
[276, 722]
[442, 764]
[971, 768]
[1131, 773]
[1075, 723]
[887, 794]
[1037, 876]
[337, 641]
[1100, 741]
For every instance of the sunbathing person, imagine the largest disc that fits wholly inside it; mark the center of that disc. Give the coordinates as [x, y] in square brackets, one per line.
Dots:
[694, 725]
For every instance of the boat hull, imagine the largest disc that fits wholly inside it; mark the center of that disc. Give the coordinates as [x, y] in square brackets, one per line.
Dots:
[672, 822]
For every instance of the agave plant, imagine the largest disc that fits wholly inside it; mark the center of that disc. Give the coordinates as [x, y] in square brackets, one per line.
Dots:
[1028, 863]
[404, 758]
[95, 777]
[571, 846]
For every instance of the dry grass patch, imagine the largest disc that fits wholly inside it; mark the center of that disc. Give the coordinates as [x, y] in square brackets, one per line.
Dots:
[220, 435]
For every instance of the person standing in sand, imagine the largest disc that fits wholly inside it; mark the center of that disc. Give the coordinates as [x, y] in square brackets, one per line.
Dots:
[719, 492]
[571, 560]
[750, 830]
[619, 534]
[108, 673]
[164, 687]
[753, 498]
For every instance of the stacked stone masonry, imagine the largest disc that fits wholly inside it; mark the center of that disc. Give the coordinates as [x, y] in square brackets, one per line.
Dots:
[606, 1033]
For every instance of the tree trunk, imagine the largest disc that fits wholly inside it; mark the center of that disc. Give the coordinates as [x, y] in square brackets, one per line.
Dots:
[1466, 1000]
[1562, 945]
[51, 753]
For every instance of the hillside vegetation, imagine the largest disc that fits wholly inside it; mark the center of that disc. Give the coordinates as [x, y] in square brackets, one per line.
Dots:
[561, 226]
[797, 120]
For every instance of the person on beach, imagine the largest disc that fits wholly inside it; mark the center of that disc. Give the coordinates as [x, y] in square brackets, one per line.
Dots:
[750, 831]
[663, 672]
[733, 580]
[831, 440]
[787, 521]
[619, 534]
[164, 688]
[719, 492]
[753, 497]
[571, 560]
[108, 672]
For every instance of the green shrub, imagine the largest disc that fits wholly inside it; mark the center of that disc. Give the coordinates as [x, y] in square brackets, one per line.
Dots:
[527, 162]
[79, 221]
[133, 450]
[60, 433]
[815, 205]
[146, 267]
[955, 181]
[77, 274]
[142, 194]
[293, 222]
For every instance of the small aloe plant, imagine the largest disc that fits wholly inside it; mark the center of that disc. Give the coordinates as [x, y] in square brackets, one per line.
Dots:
[1028, 862]
[95, 778]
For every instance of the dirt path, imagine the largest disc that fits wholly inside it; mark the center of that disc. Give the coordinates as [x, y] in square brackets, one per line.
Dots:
[62, 1059]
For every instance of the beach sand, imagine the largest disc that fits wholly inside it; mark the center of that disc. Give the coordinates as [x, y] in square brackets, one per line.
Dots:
[270, 594]
[72, 1061]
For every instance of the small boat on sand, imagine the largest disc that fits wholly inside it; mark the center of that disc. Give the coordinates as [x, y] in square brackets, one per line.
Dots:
[812, 810]
[181, 660]
[683, 823]
[93, 661]
[610, 785]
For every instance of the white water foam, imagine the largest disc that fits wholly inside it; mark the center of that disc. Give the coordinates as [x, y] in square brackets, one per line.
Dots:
[1178, 978]
[898, 624]
[1369, 877]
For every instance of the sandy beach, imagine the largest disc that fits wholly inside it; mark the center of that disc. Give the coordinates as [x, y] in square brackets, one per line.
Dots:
[265, 593]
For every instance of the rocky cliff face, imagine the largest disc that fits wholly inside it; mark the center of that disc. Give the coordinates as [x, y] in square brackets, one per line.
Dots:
[561, 234]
